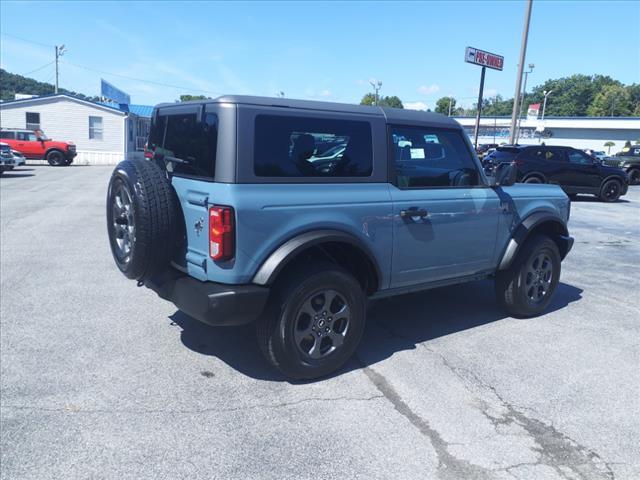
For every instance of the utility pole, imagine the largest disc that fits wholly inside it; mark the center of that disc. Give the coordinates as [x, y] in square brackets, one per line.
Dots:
[376, 84]
[613, 104]
[524, 92]
[60, 50]
[450, 102]
[523, 54]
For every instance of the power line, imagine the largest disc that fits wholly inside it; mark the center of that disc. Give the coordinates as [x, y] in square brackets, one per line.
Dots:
[37, 69]
[25, 40]
[179, 87]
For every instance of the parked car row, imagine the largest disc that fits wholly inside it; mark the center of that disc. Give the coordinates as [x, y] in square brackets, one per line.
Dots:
[36, 145]
[629, 161]
[9, 159]
[570, 168]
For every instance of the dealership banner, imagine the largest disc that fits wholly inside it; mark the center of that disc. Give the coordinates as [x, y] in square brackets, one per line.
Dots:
[532, 112]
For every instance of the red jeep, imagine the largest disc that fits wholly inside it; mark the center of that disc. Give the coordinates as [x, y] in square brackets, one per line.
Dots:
[37, 146]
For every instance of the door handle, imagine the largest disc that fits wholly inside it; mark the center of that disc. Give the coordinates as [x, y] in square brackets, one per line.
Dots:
[414, 212]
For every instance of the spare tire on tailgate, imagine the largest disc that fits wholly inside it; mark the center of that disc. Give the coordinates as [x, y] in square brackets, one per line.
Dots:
[142, 218]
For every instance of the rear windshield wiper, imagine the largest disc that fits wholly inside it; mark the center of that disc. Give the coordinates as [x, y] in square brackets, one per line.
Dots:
[168, 158]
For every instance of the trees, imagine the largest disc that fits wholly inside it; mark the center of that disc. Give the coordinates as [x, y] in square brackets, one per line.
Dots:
[445, 105]
[10, 84]
[393, 101]
[613, 100]
[609, 144]
[186, 98]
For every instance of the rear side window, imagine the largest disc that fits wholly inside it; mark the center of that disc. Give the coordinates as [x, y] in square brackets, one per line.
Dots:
[426, 157]
[185, 138]
[10, 135]
[312, 147]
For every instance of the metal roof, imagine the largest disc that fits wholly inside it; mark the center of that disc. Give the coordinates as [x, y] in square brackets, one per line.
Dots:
[397, 115]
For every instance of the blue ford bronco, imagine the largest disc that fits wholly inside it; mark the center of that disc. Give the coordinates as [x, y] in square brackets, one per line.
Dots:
[293, 214]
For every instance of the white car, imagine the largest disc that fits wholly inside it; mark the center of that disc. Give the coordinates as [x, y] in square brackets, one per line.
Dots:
[18, 158]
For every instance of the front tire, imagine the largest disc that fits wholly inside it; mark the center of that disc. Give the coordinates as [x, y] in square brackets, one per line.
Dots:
[634, 176]
[314, 321]
[526, 288]
[56, 159]
[610, 191]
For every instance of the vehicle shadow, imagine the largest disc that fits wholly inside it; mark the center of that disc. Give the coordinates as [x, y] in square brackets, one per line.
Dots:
[18, 174]
[592, 199]
[394, 324]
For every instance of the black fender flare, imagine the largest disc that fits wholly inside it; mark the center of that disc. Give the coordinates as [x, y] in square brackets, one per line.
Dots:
[528, 225]
[286, 252]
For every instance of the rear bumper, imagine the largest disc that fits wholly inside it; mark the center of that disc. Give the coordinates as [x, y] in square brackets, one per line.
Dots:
[212, 303]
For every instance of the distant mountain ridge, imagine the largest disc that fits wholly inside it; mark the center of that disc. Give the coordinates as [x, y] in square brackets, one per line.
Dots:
[11, 83]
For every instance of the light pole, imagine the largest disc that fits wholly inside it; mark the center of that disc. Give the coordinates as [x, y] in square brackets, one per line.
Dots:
[376, 84]
[450, 102]
[524, 92]
[544, 104]
[544, 108]
[523, 54]
[613, 104]
[60, 50]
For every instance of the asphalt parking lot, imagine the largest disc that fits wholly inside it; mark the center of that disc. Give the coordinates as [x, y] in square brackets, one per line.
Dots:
[100, 379]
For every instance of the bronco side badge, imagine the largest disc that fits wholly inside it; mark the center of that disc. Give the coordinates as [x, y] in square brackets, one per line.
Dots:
[198, 226]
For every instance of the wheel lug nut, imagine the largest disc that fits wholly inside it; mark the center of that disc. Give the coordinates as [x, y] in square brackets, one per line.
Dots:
[326, 329]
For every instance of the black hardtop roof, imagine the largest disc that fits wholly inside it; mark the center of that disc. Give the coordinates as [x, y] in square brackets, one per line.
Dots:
[393, 115]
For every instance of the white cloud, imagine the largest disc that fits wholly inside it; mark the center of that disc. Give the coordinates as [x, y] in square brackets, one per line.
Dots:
[428, 90]
[325, 93]
[415, 105]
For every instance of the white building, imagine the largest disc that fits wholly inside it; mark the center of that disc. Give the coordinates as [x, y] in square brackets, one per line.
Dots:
[578, 132]
[104, 134]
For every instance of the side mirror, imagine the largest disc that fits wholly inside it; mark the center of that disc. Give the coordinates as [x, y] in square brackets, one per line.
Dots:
[506, 174]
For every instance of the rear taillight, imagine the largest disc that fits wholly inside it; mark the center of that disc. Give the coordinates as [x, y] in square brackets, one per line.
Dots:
[519, 162]
[221, 233]
[147, 153]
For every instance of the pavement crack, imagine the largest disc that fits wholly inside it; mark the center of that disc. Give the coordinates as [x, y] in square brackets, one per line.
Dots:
[449, 466]
[555, 449]
[79, 409]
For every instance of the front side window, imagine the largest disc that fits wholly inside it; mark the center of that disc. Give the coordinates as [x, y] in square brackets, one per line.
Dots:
[95, 128]
[312, 147]
[191, 142]
[426, 157]
[32, 120]
[579, 158]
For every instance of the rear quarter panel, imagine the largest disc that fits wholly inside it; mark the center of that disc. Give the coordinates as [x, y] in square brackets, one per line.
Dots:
[268, 215]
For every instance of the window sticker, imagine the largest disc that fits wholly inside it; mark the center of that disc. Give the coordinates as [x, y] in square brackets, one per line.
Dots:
[417, 153]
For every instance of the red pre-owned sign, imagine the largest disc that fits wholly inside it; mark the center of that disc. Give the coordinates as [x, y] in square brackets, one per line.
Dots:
[484, 59]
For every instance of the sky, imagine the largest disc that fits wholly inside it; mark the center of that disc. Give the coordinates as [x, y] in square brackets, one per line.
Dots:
[156, 51]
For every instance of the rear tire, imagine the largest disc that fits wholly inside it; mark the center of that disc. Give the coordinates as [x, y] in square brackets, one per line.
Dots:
[526, 288]
[533, 180]
[610, 191]
[56, 158]
[314, 321]
[142, 218]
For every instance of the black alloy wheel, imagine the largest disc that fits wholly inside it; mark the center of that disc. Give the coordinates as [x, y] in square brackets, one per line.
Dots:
[611, 191]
